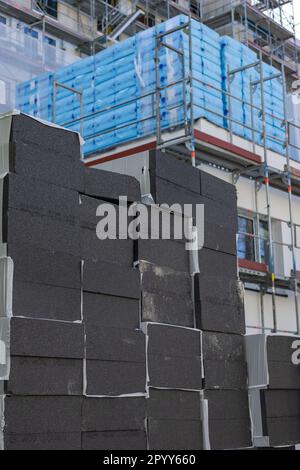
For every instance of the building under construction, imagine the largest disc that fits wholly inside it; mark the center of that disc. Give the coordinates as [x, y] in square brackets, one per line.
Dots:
[232, 115]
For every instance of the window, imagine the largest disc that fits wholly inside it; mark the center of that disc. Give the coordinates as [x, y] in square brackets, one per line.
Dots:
[246, 242]
[31, 32]
[48, 6]
[50, 41]
[2, 19]
[250, 247]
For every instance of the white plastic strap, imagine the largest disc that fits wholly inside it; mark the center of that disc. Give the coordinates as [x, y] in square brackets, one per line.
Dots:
[4, 348]
[6, 287]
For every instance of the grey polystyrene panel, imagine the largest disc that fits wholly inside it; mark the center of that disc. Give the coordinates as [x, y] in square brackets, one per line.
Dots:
[57, 167]
[110, 311]
[33, 195]
[32, 264]
[27, 229]
[108, 250]
[47, 135]
[46, 338]
[43, 441]
[224, 361]
[45, 376]
[113, 414]
[256, 354]
[47, 302]
[174, 357]
[110, 185]
[175, 435]
[114, 344]
[173, 404]
[174, 170]
[114, 440]
[110, 279]
[115, 378]
[36, 414]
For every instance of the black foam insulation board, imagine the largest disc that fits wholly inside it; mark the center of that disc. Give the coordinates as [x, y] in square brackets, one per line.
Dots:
[110, 185]
[45, 376]
[214, 263]
[170, 168]
[43, 441]
[110, 311]
[218, 190]
[229, 419]
[46, 302]
[109, 250]
[166, 296]
[175, 434]
[45, 267]
[166, 192]
[215, 315]
[166, 253]
[43, 338]
[281, 416]
[57, 167]
[114, 440]
[26, 229]
[32, 195]
[173, 404]
[283, 374]
[35, 415]
[115, 344]
[224, 361]
[280, 403]
[111, 279]
[113, 414]
[217, 289]
[174, 357]
[115, 378]
[26, 129]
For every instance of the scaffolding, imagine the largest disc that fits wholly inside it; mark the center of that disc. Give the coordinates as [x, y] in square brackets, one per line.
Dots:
[263, 175]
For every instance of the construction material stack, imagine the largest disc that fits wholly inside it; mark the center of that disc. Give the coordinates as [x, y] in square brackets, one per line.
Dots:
[130, 89]
[41, 278]
[274, 382]
[218, 300]
[249, 82]
[116, 90]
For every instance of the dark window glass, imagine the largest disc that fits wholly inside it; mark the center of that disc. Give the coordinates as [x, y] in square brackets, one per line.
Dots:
[246, 243]
[2, 19]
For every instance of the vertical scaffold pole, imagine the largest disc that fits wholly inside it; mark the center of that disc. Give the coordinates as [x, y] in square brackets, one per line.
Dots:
[267, 187]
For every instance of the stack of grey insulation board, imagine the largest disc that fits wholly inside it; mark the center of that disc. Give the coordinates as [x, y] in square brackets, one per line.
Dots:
[41, 295]
[274, 387]
[73, 366]
[218, 310]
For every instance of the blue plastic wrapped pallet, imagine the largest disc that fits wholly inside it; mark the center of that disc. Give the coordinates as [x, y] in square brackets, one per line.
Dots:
[126, 72]
[119, 87]
[235, 55]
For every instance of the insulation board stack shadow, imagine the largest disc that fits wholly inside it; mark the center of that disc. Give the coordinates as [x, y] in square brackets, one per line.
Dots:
[40, 235]
[274, 388]
[217, 293]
